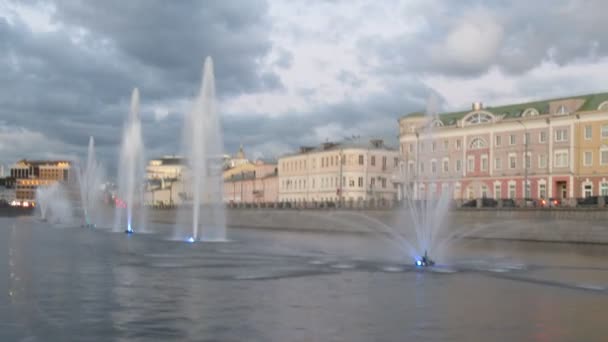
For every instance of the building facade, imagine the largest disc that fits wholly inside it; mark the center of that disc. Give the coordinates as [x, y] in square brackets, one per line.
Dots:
[31, 174]
[555, 147]
[348, 171]
[252, 183]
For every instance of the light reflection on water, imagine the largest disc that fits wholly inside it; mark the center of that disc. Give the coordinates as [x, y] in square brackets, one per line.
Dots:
[89, 285]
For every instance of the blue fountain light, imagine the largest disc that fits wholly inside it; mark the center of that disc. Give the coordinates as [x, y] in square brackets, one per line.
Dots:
[129, 229]
[418, 262]
[190, 239]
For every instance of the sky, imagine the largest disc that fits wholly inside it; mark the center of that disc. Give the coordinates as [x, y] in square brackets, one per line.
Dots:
[288, 73]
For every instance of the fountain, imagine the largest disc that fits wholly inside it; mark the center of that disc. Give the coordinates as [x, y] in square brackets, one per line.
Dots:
[53, 203]
[131, 172]
[89, 180]
[203, 148]
[427, 209]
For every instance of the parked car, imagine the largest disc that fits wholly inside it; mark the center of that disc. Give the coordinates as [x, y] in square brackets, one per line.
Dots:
[489, 202]
[470, 204]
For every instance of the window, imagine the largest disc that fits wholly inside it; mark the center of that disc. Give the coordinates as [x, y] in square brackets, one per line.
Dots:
[542, 161]
[497, 191]
[561, 134]
[526, 138]
[360, 182]
[512, 161]
[446, 145]
[421, 167]
[477, 143]
[604, 131]
[446, 165]
[512, 139]
[603, 189]
[384, 163]
[484, 191]
[526, 186]
[470, 164]
[484, 163]
[434, 166]
[542, 137]
[351, 182]
[527, 160]
[588, 132]
[497, 140]
[458, 144]
[383, 183]
[561, 158]
[373, 160]
[542, 190]
[588, 159]
[410, 167]
[396, 162]
[410, 147]
[561, 110]
[331, 161]
[604, 156]
[511, 190]
[497, 164]
[434, 146]
[458, 165]
[372, 182]
[587, 190]
[477, 118]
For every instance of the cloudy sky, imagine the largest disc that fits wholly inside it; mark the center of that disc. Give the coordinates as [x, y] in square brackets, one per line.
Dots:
[288, 73]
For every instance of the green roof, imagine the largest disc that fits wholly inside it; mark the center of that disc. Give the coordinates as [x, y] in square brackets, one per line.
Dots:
[592, 101]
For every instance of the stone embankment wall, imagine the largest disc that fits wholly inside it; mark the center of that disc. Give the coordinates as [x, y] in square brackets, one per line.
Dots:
[551, 225]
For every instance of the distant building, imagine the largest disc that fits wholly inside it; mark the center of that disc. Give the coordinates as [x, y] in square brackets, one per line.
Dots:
[354, 171]
[252, 183]
[7, 190]
[238, 159]
[167, 167]
[551, 148]
[30, 174]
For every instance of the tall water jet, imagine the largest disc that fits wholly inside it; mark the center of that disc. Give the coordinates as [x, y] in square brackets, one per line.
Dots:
[89, 181]
[131, 172]
[203, 148]
[428, 201]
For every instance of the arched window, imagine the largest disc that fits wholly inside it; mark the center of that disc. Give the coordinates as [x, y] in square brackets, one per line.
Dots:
[476, 118]
[477, 143]
[530, 112]
[603, 106]
[561, 110]
[436, 123]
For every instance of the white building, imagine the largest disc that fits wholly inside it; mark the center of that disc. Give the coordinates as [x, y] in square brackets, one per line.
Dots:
[350, 171]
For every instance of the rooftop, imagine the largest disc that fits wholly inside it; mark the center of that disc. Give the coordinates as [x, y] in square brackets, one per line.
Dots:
[351, 143]
[591, 102]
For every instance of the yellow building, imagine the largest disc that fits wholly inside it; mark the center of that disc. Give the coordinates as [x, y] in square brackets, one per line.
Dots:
[29, 175]
[592, 152]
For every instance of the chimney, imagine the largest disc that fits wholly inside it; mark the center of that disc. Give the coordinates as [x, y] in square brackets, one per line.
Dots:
[477, 106]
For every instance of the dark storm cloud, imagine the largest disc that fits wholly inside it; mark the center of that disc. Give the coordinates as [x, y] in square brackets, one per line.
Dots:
[76, 81]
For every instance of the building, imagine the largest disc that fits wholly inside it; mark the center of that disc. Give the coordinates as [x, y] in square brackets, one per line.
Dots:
[30, 174]
[252, 183]
[7, 190]
[352, 171]
[238, 159]
[166, 167]
[558, 147]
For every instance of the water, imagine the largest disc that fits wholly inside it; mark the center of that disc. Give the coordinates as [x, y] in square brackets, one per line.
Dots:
[131, 173]
[64, 284]
[203, 147]
[89, 181]
[53, 204]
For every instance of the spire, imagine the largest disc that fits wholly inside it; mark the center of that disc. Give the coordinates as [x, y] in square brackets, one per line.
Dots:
[240, 154]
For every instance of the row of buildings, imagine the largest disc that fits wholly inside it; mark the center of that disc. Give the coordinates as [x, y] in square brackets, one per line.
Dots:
[556, 148]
